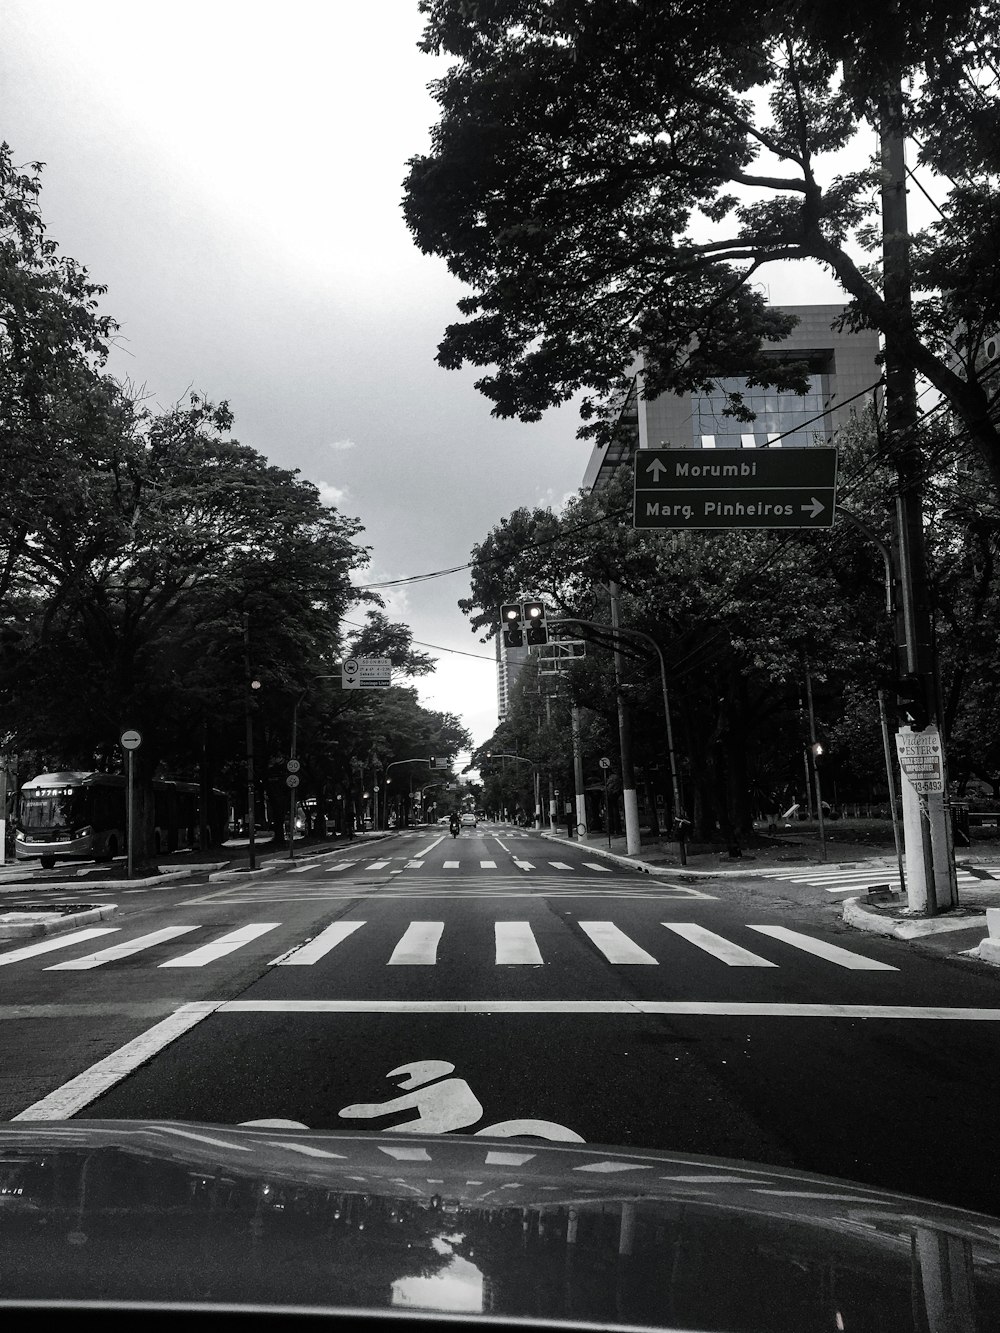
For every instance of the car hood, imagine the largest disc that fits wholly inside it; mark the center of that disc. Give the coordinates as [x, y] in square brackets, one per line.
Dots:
[151, 1211]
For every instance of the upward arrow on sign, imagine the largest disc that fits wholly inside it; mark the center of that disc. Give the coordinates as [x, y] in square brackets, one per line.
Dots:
[656, 467]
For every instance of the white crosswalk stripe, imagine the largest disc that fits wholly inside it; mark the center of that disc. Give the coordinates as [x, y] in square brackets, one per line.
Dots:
[225, 944]
[318, 948]
[614, 944]
[418, 946]
[560, 865]
[515, 943]
[487, 865]
[855, 879]
[593, 865]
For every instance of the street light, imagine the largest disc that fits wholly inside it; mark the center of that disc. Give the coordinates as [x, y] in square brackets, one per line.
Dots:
[292, 757]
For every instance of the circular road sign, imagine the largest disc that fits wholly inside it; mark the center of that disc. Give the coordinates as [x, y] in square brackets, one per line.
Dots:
[293, 765]
[131, 740]
[292, 780]
[350, 667]
[604, 763]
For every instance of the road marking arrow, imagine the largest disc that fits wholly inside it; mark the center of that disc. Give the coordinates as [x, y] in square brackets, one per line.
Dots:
[656, 467]
[815, 508]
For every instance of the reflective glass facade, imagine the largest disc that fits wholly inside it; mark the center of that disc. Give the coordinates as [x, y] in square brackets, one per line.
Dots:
[779, 413]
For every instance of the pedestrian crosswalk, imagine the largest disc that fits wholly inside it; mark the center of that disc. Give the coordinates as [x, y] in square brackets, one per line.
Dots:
[469, 865]
[425, 943]
[858, 879]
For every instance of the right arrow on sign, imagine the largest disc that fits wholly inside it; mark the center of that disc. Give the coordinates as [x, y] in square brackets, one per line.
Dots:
[816, 507]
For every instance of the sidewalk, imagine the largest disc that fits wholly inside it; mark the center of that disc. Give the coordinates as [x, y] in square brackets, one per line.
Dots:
[967, 930]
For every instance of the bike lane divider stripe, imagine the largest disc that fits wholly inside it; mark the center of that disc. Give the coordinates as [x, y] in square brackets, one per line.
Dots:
[418, 945]
[430, 846]
[615, 944]
[223, 945]
[123, 950]
[304, 955]
[731, 954]
[832, 953]
[86, 1087]
[59, 942]
[515, 944]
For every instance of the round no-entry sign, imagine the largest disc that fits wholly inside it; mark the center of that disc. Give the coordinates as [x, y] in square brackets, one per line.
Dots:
[292, 780]
[131, 740]
[604, 763]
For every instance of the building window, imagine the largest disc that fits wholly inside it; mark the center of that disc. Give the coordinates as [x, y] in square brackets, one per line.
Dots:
[799, 419]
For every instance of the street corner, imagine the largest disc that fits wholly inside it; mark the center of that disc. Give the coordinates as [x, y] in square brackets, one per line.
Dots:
[30, 920]
[887, 914]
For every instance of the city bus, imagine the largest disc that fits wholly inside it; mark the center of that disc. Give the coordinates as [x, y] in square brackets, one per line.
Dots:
[71, 816]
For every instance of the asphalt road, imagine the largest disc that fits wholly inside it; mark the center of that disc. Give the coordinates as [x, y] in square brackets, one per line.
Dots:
[509, 979]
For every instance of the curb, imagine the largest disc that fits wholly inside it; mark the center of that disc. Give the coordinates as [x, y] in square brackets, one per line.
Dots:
[644, 867]
[285, 859]
[168, 875]
[858, 915]
[58, 925]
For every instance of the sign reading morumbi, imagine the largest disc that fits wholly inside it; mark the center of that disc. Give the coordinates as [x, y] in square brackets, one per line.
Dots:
[735, 488]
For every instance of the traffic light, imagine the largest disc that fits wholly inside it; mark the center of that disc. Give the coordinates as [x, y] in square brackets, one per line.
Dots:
[817, 753]
[913, 700]
[534, 618]
[513, 630]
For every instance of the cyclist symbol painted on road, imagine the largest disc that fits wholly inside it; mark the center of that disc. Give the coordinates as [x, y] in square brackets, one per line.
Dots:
[443, 1104]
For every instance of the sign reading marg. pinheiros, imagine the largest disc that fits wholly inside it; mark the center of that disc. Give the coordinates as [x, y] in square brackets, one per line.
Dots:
[735, 488]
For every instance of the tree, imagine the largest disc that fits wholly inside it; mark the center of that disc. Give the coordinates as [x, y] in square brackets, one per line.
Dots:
[144, 628]
[609, 178]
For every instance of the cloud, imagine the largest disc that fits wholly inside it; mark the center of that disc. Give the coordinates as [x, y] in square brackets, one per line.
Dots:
[330, 494]
[341, 446]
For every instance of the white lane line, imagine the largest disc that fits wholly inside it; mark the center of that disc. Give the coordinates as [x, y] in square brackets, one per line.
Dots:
[693, 1008]
[502, 845]
[223, 945]
[414, 865]
[418, 945]
[615, 944]
[560, 865]
[515, 944]
[124, 950]
[84, 1088]
[832, 953]
[310, 952]
[487, 865]
[592, 865]
[716, 945]
[376, 865]
[451, 865]
[342, 865]
[60, 942]
[430, 846]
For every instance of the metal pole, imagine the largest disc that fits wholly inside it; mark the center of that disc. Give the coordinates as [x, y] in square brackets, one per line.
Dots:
[251, 825]
[581, 799]
[607, 808]
[130, 817]
[819, 789]
[633, 843]
[890, 773]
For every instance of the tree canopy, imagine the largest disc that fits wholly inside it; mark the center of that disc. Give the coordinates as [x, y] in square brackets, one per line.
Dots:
[608, 178]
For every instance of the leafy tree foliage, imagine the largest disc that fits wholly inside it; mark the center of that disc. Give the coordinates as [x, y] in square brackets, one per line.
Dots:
[608, 178]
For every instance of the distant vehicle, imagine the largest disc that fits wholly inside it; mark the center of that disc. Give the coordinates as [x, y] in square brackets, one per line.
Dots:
[445, 820]
[468, 821]
[71, 816]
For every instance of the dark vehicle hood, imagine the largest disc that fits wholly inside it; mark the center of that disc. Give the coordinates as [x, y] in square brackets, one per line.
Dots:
[145, 1211]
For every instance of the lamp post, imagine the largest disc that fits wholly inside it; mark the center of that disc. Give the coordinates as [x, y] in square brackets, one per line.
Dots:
[293, 758]
[648, 638]
[251, 783]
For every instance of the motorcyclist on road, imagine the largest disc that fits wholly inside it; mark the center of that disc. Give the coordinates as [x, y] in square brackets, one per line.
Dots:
[453, 826]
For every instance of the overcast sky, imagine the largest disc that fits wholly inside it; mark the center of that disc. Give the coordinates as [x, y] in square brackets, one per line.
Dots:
[233, 172]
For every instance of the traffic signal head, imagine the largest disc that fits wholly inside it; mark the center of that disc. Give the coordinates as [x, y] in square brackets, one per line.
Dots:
[913, 701]
[534, 619]
[510, 621]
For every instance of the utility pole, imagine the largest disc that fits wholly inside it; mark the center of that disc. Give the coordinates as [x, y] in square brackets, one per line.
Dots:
[248, 686]
[581, 800]
[633, 843]
[930, 866]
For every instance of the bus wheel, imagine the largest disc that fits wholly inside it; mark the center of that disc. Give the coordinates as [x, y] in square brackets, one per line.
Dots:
[48, 862]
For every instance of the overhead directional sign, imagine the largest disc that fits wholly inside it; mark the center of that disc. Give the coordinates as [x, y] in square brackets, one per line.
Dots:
[684, 489]
[366, 673]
